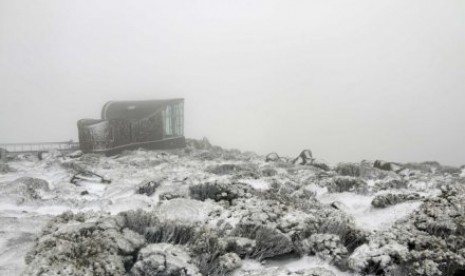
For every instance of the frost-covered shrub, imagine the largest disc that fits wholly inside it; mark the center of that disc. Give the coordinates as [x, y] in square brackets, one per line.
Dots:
[321, 165]
[4, 168]
[406, 252]
[326, 246]
[139, 220]
[257, 212]
[341, 184]
[298, 223]
[348, 169]
[429, 242]
[450, 170]
[170, 232]
[203, 144]
[305, 204]
[362, 170]
[385, 200]
[391, 183]
[211, 256]
[207, 190]
[268, 171]
[440, 216]
[379, 255]
[169, 195]
[425, 167]
[206, 155]
[243, 247]
[155, 230]
[215, 263]
[432, 167]
[26, 187]
[281, 271]
[164, 259]
[268, 242]
[228, 263]
[232, 168]
[284, 163]
[148, 187]
[84, 245]
[293, 196]
[235, 155]
[219, 191]
[336, 222]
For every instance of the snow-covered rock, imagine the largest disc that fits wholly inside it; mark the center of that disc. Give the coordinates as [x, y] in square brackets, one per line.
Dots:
[83, 244]
[164, 259]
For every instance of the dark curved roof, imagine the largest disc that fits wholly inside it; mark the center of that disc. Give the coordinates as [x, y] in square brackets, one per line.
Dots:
[135, 110]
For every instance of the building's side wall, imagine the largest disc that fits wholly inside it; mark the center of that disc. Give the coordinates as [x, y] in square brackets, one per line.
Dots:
[92, 134]
[120, 133]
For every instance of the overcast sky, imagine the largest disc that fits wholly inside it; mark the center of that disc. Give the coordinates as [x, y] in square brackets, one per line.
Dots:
[350, 80]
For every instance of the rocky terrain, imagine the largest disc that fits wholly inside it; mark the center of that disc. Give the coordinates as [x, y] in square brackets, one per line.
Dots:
[205, 210]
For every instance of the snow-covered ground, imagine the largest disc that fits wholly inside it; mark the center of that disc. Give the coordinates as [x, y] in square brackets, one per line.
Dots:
[218, 189]
[366, 216]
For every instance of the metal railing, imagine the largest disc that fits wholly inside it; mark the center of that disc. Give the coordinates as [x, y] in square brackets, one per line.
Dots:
[25, 148]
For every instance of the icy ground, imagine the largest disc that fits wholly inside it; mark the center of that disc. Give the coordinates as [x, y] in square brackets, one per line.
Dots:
[209, 211]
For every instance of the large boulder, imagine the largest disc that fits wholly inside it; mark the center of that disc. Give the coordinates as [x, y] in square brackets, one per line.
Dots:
[272, 157]
[305, 157]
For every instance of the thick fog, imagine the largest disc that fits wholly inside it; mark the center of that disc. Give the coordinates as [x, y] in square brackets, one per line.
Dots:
[350, 80]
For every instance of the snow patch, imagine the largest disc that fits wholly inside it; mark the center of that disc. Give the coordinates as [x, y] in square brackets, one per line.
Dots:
[367, 217]
[257, 184]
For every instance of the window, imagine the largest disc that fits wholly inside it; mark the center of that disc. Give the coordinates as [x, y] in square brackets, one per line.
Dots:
[173, 120]
[167, 121]
[178, 119]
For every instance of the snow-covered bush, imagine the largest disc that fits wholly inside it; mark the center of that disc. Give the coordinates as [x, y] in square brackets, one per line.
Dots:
[248, 169]
[385, 200]
[148, 187]
[219, 190]
[26, 188]
[164, 259]
[174, 232]
[5, 168]
[348, 169]
[326, 246]
[341, 184]
[84, 245]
